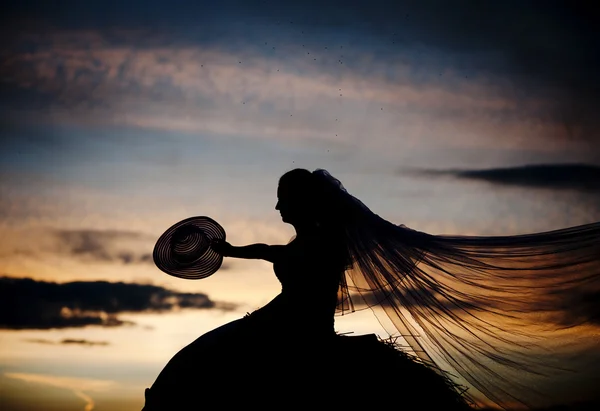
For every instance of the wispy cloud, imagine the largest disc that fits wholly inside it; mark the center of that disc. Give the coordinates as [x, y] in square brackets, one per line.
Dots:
[555, 176]
[68, 341]
[27, 303]
[79, 386]
[298, 91]
[103, 245]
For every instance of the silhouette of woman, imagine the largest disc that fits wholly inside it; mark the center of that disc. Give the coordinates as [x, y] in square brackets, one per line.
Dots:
[476, 306]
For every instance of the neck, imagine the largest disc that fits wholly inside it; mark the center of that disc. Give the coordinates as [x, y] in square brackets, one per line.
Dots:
[306, 230]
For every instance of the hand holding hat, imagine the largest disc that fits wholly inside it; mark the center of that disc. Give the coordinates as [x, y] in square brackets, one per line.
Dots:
[221, 246]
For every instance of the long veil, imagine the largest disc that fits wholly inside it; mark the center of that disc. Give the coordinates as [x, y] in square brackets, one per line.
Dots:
[486, 309]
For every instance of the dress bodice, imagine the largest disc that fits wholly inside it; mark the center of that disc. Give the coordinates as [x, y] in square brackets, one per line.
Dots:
[309, 282]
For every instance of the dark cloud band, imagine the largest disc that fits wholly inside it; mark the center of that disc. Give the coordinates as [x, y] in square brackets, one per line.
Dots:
[555, 176]
[26, 303]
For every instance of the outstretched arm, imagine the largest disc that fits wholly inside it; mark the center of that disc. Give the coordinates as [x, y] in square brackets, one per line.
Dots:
[253, 251]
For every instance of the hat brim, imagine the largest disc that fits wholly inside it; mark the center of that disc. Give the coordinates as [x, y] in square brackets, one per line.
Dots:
[184, 250]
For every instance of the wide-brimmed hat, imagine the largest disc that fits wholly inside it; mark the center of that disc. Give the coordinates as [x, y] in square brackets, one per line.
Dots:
[184, 250]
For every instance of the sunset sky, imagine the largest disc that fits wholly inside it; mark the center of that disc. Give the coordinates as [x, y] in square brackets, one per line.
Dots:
[120, 118]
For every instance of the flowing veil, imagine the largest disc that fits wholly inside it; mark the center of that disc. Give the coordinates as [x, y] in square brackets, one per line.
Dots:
[487, 309]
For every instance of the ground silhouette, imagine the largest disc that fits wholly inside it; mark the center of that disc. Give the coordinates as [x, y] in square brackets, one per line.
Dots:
[348, 371]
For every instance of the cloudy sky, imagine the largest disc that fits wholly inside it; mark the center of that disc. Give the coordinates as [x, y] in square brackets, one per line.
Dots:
[120, 118]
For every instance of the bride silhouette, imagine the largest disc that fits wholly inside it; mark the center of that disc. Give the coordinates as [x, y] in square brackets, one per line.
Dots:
[477, 307]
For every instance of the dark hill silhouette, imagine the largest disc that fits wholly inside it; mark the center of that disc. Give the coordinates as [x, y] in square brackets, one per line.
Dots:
[341, 371]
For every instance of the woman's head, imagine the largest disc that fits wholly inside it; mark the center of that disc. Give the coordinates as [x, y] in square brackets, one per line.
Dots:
[298, 197]
[314, 198]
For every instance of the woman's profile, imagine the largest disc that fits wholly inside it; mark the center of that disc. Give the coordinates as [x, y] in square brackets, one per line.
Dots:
[472, 305]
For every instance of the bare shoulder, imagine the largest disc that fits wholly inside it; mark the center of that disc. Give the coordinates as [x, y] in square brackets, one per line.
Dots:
[285, 252]
[297, 248]
[274, 253]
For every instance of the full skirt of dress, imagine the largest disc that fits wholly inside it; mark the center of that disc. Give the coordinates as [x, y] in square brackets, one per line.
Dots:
[264, 360]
